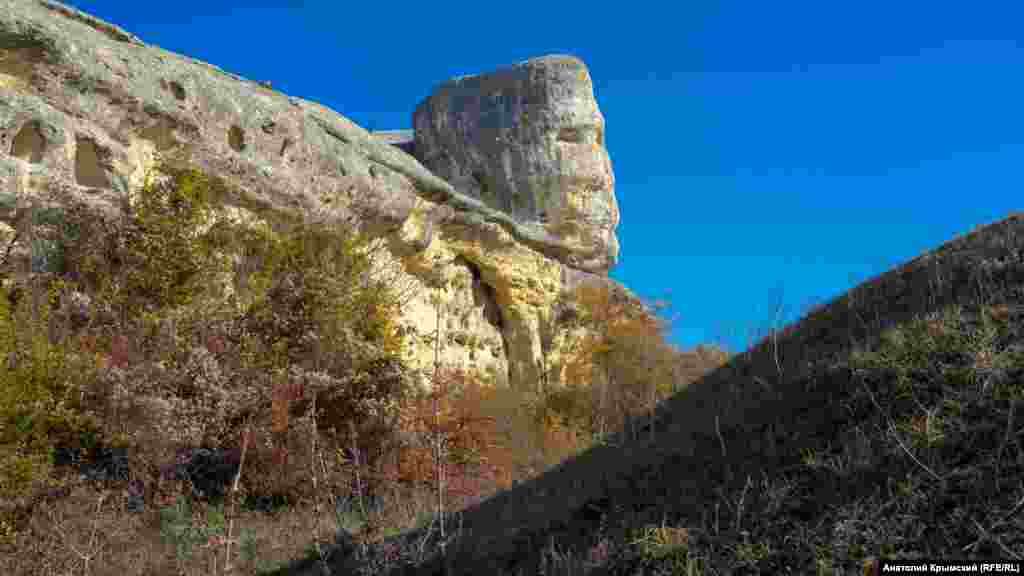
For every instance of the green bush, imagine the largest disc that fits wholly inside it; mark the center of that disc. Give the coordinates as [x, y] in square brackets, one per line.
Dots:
[313, 315]
[317, 312]
[179, 528]
[38, 404]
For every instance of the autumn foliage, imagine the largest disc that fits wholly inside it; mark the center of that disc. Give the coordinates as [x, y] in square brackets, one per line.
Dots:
[175, 327]
[619, 369]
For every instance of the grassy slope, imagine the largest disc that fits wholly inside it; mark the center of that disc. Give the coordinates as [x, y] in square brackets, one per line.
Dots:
[795, 456]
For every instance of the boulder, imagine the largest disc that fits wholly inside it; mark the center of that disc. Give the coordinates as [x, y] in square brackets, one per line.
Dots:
[528, 140]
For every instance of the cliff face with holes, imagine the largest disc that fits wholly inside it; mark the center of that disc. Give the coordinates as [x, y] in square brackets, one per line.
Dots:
[85, 106]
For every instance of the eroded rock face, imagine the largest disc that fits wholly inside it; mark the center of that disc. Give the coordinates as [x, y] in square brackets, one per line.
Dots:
[85, 107]
[528, 140]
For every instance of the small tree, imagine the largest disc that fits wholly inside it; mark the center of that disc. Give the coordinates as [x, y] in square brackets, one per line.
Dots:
[620, 367]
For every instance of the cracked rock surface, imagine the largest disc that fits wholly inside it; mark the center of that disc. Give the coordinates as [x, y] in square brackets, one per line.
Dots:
[85, 108]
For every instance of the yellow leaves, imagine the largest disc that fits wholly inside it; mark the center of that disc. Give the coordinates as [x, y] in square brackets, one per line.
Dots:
[616, 327]
[19, 470]
[620, 365]
[598, 345]
[661, 541]
[447, 418]
[164, 253]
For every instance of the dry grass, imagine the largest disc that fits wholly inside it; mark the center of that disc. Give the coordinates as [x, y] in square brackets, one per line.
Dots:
[884, 425]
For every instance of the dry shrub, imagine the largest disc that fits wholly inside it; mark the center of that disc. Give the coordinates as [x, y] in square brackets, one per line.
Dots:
[38, 405]
[448, 414]
[692, 364]
[619, 370]
[165, 360]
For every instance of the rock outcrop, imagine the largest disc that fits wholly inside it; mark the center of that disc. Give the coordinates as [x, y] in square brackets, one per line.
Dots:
[85, 107]
[529, 141]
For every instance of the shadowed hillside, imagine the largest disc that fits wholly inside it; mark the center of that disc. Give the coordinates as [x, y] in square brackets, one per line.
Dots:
[151, 425]
[236, 328]
[834, 415]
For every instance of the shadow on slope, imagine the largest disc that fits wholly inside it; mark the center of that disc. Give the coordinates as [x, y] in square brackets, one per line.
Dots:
[715, 452]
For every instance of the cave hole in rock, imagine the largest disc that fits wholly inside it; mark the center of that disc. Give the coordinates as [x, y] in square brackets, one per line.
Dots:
[236, 138]
[177, 89]
[483, 294]
[29, 143]
[160, 133]
[88, 170]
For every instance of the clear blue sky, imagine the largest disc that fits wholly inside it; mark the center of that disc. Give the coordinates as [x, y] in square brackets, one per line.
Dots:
[763, 151]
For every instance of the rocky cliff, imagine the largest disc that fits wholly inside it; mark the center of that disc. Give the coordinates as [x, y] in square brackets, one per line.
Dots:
[494, 233]
[528, 140]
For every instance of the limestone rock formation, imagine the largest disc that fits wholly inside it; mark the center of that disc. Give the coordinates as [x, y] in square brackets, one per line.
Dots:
[85, 106]
[528, 140]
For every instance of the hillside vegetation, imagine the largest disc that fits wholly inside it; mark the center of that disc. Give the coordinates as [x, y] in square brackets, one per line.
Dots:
[186, 392]
[882, 425]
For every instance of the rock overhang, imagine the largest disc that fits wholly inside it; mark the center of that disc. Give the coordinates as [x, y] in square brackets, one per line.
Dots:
[87, 107]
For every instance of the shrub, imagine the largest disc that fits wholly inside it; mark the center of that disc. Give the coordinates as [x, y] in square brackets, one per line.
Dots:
[158, 253]
[38, 408]
[620, 367]
[179, 527]
[191, 359]
[316, 296]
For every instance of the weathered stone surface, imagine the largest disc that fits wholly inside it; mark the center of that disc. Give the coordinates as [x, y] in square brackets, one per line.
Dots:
[528, 140]
[85, 107]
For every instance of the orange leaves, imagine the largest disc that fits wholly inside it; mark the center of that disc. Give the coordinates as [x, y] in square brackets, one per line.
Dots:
[120, 350]
[281, 397]
[615, 323]
[561, 438]
[621, 362]
[447, 419]
[88, 345]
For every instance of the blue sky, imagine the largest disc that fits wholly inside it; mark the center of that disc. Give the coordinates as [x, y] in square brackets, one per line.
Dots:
[764, 152]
